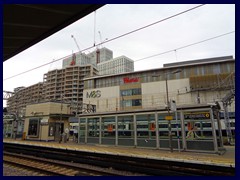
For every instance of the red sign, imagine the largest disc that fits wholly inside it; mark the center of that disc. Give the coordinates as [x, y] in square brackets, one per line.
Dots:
[130, 80]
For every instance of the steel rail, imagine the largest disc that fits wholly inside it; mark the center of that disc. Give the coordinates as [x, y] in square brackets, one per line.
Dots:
[124, 163]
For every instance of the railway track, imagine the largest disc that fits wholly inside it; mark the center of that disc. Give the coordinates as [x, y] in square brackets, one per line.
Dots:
[53, 167]
[123, 165]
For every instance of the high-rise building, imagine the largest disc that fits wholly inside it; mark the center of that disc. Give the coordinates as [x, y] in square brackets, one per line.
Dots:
[77, 59]
[103, 60]
[66, 85]
[117, 65]
[104, 54]
[23, 96]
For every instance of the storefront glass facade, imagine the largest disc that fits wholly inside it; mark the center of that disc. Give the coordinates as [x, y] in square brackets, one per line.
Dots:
[196, 130]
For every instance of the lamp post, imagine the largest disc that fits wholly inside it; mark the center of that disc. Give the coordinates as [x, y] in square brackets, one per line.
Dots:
[168, 108]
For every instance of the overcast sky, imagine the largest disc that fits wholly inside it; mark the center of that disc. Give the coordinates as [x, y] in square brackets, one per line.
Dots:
[113, 20]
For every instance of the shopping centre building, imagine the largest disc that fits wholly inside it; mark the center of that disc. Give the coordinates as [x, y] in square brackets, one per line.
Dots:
[131, 109]
[189, 82]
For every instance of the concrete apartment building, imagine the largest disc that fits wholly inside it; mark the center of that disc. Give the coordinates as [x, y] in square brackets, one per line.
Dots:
[67, 84]
[58, 85]
[23, 96]
[47, 101]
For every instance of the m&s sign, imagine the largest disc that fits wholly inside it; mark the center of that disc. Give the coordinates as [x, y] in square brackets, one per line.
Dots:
[94, 94]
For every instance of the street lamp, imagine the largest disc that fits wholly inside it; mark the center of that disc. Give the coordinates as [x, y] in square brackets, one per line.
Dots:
[168, 108]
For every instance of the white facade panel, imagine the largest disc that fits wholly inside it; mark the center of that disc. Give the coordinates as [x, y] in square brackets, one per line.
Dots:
[117, 65]
[105, 99]
[154, 93]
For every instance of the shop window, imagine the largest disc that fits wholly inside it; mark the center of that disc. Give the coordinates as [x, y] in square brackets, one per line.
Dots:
[137, 102]
[136, 91]
[108, 127]
[130, 92]
[127, 103]
[33, 127]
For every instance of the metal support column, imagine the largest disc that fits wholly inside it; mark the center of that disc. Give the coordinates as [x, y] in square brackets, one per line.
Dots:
[227, 123]
[214, 132]
[178, 137]
[78, 141]
[219, 128]
[135, 129]
[157, 131]
[184, 143]
[116, 130]
[100, 130]
[86, 130]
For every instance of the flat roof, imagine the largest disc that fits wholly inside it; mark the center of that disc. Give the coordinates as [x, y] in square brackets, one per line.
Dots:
[198, 61]
[174, 66]
[180, 107]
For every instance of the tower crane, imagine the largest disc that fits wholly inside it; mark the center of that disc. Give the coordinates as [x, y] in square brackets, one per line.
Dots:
[100, 36]
[74, 55]
[97, 50]
[75, 42]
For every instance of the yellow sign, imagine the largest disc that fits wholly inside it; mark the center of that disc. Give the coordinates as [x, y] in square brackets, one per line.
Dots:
[207, 115]
[169, 118]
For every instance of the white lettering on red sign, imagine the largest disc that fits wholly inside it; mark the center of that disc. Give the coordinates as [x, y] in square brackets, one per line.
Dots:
[130, 80]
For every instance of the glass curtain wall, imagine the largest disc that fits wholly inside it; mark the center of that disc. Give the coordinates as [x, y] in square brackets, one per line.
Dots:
[146, 130]
[82, 130]
[190, 130]
[176, 135]
[93, 130]
[108, 134]
[199, 130]
[125, 130]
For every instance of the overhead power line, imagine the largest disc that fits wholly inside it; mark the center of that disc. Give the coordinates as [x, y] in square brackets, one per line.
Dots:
[154, 23]
[37, 67]
[192, 44]
[111, 39]
[179, 48]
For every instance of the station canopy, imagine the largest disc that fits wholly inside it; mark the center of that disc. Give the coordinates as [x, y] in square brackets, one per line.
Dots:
[27, 24]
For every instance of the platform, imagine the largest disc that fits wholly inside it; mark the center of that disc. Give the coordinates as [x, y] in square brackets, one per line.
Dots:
[227, 159]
